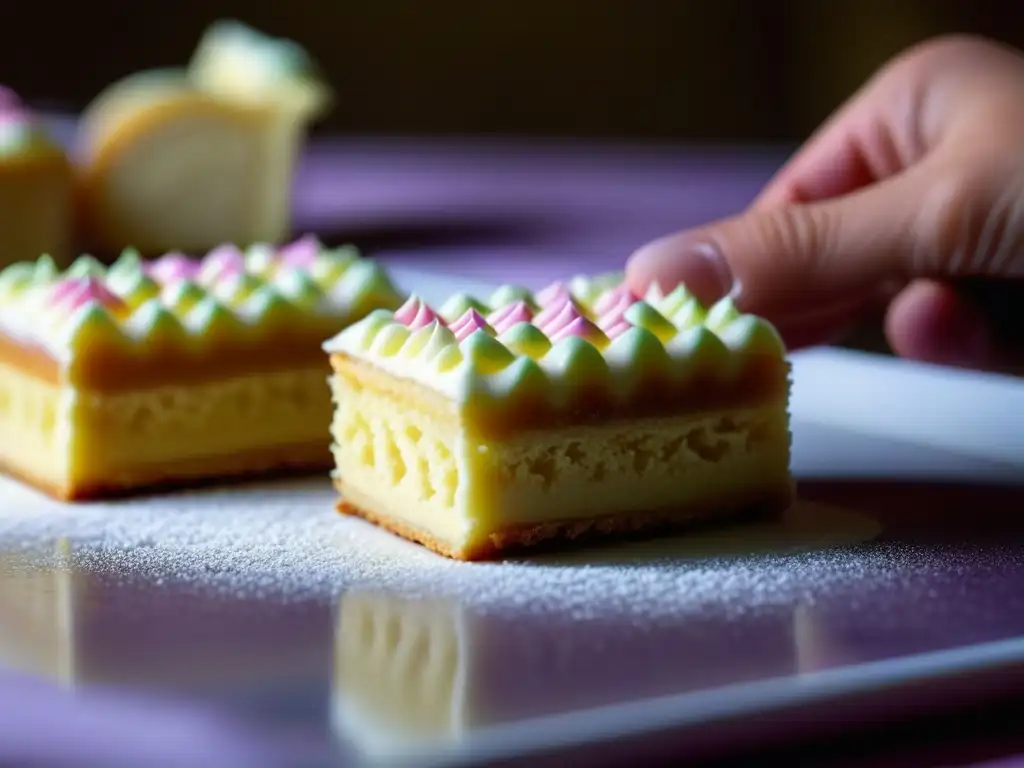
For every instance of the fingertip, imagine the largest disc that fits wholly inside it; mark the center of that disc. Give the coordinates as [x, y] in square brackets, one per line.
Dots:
[930, 322]
[680, 260]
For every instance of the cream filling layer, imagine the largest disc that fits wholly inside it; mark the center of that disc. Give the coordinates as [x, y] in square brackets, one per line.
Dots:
[68, 437]
[424, 470]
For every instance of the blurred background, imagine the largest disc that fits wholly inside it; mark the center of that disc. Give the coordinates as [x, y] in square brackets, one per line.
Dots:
[750, 70]
[644, 72]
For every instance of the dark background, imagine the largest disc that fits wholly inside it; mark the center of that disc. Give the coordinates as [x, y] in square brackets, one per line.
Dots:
[666, 69]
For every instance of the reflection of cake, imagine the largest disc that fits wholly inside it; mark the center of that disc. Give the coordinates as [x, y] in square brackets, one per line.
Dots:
[62, 622]
[490, 425]
[184, 160]
[414, 675]
[173, 370]
[36, 188]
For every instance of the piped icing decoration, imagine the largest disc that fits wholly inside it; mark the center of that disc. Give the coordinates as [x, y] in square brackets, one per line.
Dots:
[456, 306]
[75, 292]
[526, 339]
[556, 293]
[643, 315]
[301, 253]
[470, 322]
[582, 328]
[681, 307]
[172, 268]
[552, 344]
[557, 316]
[415, 313]
[221, 263]
[618, 297]
[509, 294]
[198, 301]
[510, 315]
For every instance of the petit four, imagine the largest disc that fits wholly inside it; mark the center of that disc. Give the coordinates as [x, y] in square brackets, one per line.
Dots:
[487, 425]
[37, 213]
[175, 370]
[187, 159]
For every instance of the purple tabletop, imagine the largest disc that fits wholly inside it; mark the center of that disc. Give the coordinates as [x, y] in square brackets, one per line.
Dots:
[514, 213]
[498, 212]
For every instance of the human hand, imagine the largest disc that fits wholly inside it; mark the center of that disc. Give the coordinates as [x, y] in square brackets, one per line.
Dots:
[915, 186]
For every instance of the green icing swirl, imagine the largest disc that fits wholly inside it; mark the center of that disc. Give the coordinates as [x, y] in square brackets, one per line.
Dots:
[129, 262]
[88, 323]
[390, 340]
[133, 287]
[643, 315]
[183, 295]
[86, 266]
[636, 348]
[576, 360]
[526, 339]
[268, 307]
[458, 304]
[509, 294]
[328, 267]
[697, 348]
[440, 339]
[155, 323]
[485, 354]
[753, 335]
[209, 316]
[17, 277]
[721, 314]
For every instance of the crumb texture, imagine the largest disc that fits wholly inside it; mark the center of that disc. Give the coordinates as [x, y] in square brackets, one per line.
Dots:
[430, 476]
[403, 455]
[69, 440]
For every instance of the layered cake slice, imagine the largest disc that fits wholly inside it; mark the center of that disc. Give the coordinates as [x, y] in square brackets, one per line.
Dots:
[175, 370]
[582, 409]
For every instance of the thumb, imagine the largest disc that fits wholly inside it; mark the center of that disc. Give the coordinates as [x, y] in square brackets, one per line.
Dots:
[785, 260]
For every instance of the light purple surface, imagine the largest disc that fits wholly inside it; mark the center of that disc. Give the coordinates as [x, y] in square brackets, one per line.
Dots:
[528, 215]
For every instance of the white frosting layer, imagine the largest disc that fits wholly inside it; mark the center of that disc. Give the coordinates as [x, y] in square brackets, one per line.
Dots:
[562, 347]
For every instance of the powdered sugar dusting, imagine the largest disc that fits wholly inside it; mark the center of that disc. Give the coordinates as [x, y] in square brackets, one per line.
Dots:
[285, 540]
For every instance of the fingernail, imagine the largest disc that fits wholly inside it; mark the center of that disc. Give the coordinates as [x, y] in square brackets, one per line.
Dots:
[699, 266]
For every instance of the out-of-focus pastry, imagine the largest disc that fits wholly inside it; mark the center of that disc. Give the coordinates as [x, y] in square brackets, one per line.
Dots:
[174, 371]
[186, 159]
[36, 188]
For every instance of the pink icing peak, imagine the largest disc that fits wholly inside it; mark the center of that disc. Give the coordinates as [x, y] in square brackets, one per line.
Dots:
[556, 293]
[617, 329]
[172, 268]
[545, 317]
[423, 317]
[554, 318]
[615, 311]
[224, 261]
[470, 322]
[405, 313]
[614, 298]
[580, 326]
[74, 292]
[512, 314]
[300, 253]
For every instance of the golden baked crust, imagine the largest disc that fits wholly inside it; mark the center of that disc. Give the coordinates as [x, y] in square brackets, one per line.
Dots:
[279, 462]
[559, 533]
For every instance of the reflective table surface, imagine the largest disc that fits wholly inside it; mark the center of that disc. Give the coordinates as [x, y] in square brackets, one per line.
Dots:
[253, 626]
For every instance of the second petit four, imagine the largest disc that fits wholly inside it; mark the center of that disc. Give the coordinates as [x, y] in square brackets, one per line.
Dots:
[173, 371]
